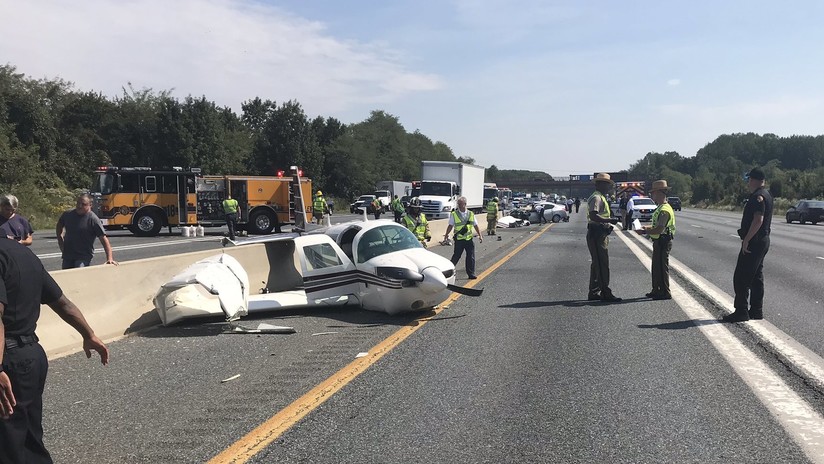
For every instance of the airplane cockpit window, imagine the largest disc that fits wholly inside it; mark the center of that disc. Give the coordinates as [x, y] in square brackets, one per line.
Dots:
[385, 239]
[320, 256]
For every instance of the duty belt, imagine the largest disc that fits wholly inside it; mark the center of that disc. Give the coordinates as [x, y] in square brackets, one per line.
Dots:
[16, 341]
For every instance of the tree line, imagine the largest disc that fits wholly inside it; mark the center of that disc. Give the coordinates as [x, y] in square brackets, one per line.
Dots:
[53, 136]
[794, 167]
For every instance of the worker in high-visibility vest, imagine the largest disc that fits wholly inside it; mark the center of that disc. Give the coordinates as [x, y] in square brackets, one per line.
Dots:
[464, 221]
[397, 208]
[377, 207]
[230, 208]
[319, 207]
[416, 222]
[491, 216]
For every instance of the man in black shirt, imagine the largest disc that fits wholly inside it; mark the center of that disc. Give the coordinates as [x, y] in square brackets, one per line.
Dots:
[748, 280]
[24, 286]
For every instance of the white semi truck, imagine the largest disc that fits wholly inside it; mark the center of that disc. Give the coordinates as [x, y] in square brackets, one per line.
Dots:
[443, 182]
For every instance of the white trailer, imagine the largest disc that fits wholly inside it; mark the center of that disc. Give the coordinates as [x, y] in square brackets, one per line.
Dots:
[443, 182]
[385, 190]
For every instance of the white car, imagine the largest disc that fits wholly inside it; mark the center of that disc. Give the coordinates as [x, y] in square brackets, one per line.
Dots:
[552, 212]
[642, 208]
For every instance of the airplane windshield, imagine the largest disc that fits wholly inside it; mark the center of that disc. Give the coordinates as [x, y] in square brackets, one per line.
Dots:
[385, 239]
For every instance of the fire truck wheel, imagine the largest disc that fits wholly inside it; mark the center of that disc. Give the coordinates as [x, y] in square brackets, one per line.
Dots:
[146, 224]
[262, 222]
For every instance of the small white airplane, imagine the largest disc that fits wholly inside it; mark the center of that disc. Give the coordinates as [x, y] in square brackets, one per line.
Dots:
[379, 265]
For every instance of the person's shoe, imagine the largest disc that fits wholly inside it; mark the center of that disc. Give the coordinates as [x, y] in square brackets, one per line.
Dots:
[756, 314]
[737, 316]
[594, 297]
[650, 295]
[611, 298]
[662, 297]
[472, 277]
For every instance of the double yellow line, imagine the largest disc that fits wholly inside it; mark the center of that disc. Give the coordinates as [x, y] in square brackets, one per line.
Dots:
[264, 434]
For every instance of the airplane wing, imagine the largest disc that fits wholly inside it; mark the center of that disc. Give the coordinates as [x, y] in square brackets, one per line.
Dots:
[260, 239]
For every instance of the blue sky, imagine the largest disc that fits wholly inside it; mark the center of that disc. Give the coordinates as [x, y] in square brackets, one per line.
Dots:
[565, 87]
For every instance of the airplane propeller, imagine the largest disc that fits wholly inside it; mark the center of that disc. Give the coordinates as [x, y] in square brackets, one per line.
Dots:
[431, 277]
[465, 291]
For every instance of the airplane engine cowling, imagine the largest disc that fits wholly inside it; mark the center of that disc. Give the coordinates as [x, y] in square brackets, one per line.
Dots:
[433, 280]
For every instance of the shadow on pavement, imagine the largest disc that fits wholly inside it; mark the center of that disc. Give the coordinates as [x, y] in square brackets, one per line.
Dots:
[570, 303]
[680, 324]
[344, 317]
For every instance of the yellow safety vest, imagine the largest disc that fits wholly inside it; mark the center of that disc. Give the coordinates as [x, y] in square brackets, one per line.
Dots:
[607, 213]
[492, 210]
[670, 229]
[417, 227]
[463, 230]
[319, 204]
[230, 206]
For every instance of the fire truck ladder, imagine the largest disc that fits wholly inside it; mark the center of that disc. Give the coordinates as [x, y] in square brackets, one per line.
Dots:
[296, 216]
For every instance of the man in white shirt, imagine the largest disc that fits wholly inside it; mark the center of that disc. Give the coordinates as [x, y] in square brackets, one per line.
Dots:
[628, 214]
[463, 221]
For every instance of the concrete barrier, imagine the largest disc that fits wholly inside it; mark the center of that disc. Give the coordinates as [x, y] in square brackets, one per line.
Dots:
[117, 300]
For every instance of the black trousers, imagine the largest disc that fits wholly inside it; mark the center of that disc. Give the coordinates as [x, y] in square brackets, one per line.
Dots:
[398, 215]
[598, 244]
[661, 249]
[469, 247]
[21, 436]
[231, 222]
[748, 279]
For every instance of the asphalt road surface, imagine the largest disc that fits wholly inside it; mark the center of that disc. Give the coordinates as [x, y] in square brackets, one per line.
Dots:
[529, 372]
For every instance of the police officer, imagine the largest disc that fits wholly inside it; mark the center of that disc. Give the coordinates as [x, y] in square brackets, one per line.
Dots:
[491, 216]
[24, 285]
[319, 207]
[463, 221]
[755, 243]
[599, 226]
[661, 232]
[416, 222]
[230, 208]
[397, 208]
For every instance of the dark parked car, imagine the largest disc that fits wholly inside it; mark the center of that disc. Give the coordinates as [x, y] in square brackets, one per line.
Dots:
[363, 202]
[806, 210]
[675, 202]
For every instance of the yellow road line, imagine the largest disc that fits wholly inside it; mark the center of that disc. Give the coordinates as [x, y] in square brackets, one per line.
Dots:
[264, 434]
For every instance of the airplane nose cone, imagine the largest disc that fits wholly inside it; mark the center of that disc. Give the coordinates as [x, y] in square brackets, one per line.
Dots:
[433, 280]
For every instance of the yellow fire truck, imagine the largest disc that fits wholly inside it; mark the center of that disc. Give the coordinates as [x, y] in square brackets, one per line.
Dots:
[144, 200]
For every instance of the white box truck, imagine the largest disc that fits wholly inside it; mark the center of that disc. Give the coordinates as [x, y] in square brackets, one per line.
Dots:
[443, 182]
[385, 190]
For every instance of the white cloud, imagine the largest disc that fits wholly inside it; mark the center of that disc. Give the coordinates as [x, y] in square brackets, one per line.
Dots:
[674, 82]
[227, 50]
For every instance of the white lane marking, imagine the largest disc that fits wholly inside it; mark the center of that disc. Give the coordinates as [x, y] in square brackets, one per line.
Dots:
[819, 257]
[802, 422]
[796, 356]
[696, 226]
[735, 236]
[135, 247]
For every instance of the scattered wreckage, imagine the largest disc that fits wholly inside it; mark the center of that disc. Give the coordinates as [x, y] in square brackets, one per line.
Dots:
[378, 265]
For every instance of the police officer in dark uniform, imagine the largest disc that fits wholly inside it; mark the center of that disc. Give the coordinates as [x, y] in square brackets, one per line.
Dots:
[748, 280]
[24, 285]
[599, 227]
